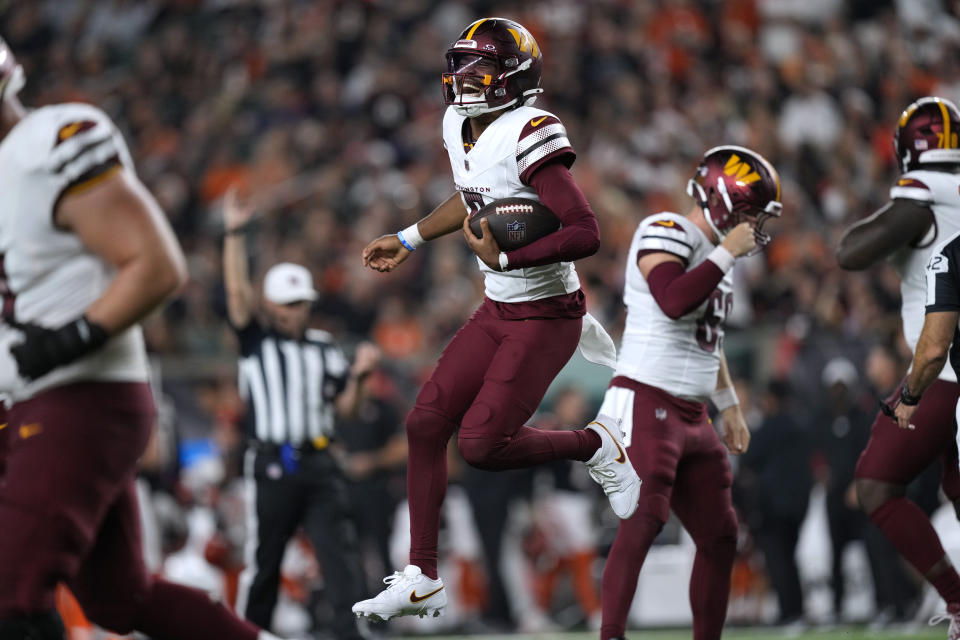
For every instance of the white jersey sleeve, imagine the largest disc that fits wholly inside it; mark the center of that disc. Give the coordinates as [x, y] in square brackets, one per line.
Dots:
[680, 356]
[541, 140]
[85, 147]
[47, 275]
[940, 191]
[667, 232]
[911, 187]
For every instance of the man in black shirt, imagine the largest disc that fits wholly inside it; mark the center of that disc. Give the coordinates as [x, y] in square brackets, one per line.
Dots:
[293, 379]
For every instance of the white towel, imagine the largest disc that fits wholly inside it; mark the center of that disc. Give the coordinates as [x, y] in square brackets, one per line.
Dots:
[596, 345]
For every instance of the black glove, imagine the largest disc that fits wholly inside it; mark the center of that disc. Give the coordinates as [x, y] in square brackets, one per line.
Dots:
[43, 350]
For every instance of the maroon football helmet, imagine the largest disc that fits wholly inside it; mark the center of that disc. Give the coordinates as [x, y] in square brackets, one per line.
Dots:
[494, 64]
[927, 133]
[11, 73]
[734, 185]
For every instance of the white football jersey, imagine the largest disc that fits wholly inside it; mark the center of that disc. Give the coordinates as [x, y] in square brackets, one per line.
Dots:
[47, 276]
[940, 191]
[682, 356]
[497, 167]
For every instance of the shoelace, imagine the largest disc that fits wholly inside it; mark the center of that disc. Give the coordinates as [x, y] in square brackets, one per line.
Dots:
[396, 581]
[941, 617]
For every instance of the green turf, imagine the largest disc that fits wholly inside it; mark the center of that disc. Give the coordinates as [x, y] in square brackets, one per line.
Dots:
[923, 633]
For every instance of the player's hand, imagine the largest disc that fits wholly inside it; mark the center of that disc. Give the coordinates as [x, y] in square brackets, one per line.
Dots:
[236, 214]
[43, 349]
[366, 360]
[384, 253]
[736, 434]
[740, 240]
[485, 247]
[904, 413]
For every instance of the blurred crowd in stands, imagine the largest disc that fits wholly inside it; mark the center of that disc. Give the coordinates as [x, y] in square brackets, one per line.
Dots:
[327, 113]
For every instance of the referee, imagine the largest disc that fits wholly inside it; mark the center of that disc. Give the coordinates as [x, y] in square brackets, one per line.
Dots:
[293, 380]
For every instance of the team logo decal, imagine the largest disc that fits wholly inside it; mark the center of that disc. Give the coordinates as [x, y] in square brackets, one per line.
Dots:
[740, 170]
[414, 598]
[516, 231]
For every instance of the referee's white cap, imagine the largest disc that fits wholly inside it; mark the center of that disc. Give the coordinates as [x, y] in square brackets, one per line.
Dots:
[286, 282]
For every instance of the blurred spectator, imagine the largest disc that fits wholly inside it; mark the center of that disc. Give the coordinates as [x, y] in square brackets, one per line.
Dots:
[376, 449]
[491, 495]
[842, 430]
[776, 467]
[564, 497]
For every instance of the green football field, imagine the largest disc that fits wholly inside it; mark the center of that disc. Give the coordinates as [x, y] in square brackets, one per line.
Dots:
[922, 633]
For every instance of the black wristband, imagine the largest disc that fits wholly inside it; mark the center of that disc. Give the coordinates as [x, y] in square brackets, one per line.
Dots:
[908, 399]
[46, 349]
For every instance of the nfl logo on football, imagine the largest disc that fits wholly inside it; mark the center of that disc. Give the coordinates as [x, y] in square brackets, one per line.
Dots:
[516, 231]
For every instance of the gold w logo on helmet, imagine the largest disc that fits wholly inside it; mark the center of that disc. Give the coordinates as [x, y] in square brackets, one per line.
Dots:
[740, 170]
[525, 41]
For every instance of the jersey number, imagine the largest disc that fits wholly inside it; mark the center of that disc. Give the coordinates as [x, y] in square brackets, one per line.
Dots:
[474, 201]
[710, 324]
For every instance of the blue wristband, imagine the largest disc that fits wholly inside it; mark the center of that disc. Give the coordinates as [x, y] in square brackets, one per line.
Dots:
[403, 241]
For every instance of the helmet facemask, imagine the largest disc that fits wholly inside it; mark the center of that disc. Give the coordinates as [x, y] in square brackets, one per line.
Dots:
[476, 82]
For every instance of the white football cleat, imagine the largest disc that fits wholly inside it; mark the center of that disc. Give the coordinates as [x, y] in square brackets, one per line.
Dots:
[408, 593]
[612, 470]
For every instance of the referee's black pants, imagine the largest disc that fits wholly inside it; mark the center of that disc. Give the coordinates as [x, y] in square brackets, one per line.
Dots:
[312, 495]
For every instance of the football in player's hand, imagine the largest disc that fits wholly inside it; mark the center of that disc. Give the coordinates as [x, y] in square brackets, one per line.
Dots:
[515, 222]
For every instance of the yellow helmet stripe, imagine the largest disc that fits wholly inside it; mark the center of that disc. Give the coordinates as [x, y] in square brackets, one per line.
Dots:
[946, 126]
[776, 178]
[905, 116]
[473, 28]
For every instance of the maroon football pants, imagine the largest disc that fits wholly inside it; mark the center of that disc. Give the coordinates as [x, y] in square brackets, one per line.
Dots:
[488, 381]
[896, 456]
[684, 467]
[68, 513]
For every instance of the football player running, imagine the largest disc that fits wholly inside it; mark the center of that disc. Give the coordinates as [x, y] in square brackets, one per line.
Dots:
[924, 209]
[678, 292]
[493, 374]
[85, 254]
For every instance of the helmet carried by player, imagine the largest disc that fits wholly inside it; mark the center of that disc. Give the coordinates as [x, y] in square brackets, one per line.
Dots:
[733, 185]
[493, 65]
[12, 78]
[927, 133]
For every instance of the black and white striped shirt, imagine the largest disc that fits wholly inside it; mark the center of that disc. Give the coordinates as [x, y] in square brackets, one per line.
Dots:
[289, 385]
